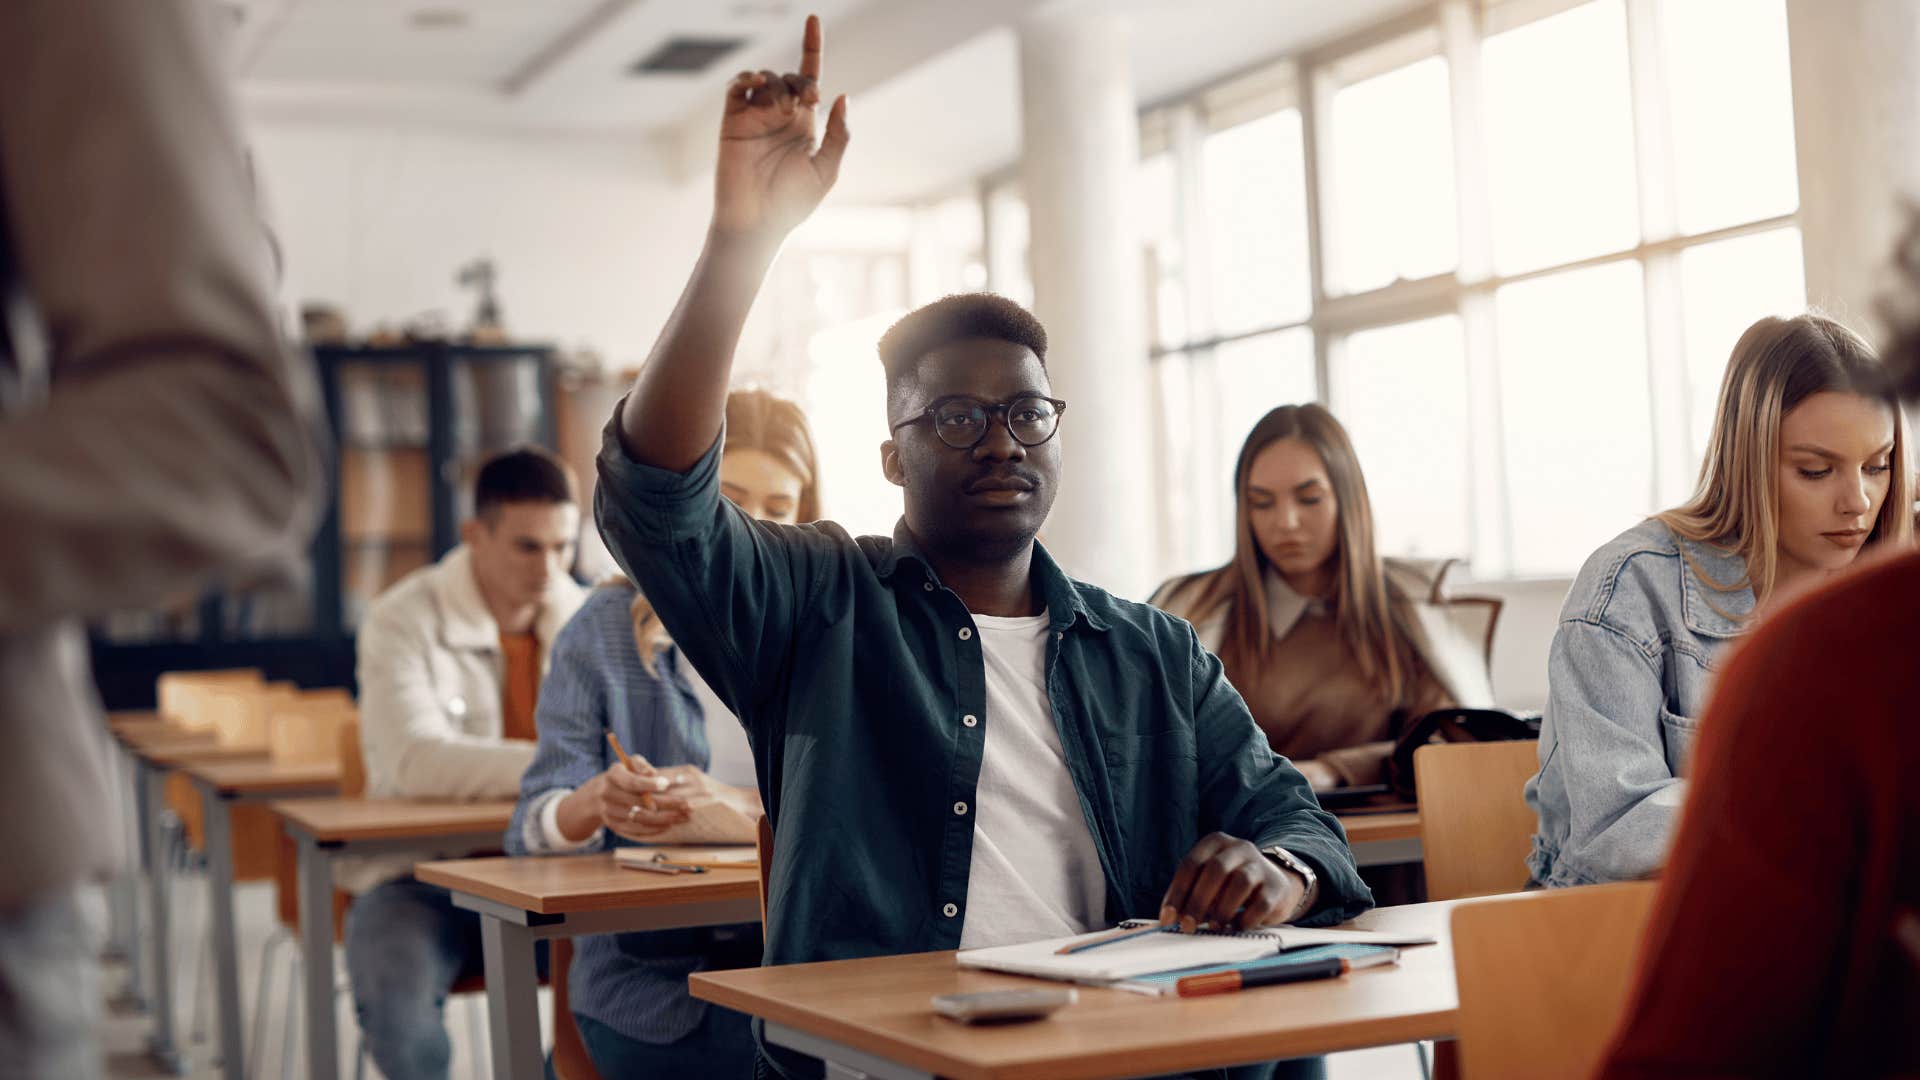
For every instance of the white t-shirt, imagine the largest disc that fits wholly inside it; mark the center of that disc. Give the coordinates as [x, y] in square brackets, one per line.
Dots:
[1035, 872]
[731, 756]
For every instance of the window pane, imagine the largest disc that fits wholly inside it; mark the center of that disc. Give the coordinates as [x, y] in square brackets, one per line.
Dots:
[846, 405]
[1007, 271]
[1401, 391]
[1731, 110]
[1392, 192]
[1724, 287]
[1256, 197]
[1575, 413]
[1560, 151]
[1156, 207]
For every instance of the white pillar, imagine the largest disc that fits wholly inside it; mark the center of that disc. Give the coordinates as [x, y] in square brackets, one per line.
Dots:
[1856, 105]
[1082, 148]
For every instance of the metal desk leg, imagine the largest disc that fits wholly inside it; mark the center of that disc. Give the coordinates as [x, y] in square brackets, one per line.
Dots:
[513, 1008]
[226, 955]
[126, 891]
[160, 926]
[316, 959]
[842, 1062]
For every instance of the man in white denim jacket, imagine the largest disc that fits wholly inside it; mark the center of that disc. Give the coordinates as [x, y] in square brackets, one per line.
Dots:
[450, 662]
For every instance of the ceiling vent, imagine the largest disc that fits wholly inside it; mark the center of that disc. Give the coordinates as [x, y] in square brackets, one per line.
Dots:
[685, 55]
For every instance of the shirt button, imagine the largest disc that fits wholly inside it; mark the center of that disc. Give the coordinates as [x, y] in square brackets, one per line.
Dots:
[1059, 635]
[960, 808]
[927, 585]
[966, 633]
[950, 911]
[970, 720]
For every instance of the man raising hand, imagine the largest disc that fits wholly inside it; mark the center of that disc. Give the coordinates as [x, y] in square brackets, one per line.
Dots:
[958, 744]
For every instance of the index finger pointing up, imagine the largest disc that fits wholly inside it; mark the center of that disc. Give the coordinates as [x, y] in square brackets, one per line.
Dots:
[810, 49]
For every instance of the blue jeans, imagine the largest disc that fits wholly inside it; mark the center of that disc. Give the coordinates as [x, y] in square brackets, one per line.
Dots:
[407, 945]
[722, 1046]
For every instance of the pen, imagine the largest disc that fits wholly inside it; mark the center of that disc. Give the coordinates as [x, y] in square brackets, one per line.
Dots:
[1226, 982]
[660, 860]
[660, 868]
[621, 753]
[1125, 933]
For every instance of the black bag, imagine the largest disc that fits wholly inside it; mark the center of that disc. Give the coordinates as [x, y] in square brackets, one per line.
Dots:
[1453, 725]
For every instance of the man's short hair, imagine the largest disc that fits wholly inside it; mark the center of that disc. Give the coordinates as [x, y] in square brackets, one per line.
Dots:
[523, 474]
[960, 317]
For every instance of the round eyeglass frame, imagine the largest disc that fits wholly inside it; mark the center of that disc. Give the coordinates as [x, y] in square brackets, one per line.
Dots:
[1004, 408]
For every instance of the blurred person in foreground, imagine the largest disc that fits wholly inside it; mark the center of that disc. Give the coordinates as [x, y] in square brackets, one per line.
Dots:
[155, 432]
[1803, 821]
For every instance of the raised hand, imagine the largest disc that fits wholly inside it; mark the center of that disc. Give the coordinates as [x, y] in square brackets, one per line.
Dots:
[771, 174]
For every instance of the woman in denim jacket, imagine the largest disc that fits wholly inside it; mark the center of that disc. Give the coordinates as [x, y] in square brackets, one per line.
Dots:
[1806, 467]
[614, 670]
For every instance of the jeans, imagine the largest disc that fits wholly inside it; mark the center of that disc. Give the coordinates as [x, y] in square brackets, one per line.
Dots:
[722, 1046]
[407, 945]
[50, 992]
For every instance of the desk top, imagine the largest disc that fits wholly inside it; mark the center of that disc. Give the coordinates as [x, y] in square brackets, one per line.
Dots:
[1372, 828]
[344, 820]
[193, 750]
[260, 775]
[880, 1006]
[563, 884]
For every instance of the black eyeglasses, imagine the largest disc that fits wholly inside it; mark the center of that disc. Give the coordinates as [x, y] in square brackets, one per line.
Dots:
[962, 421]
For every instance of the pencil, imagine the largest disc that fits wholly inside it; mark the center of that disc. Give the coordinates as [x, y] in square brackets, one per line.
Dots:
[1123, 934]
[620, 751]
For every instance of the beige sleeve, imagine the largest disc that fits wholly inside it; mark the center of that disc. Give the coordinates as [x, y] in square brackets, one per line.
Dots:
[179, 437]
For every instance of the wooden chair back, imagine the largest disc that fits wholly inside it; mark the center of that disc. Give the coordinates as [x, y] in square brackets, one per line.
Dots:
[353, 765]
[184, 697]
[1543, 977]
[1475, 827]
[306, 728]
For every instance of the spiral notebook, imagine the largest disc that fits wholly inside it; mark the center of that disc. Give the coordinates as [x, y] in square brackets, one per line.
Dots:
[1154, 953]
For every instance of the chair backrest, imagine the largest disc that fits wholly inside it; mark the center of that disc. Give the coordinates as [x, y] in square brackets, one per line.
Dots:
[1543, 977]
[306, 728]
[763, 852]
[353, 767]
[184, 696]
[1475, 828]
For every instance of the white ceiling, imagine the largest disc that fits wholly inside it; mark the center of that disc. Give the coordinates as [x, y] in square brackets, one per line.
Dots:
[935, 82]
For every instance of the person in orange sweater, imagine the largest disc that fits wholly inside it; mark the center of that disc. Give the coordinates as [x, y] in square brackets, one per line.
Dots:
[1786, 937]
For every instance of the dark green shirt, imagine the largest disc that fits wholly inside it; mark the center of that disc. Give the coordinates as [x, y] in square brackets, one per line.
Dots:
[860, 681]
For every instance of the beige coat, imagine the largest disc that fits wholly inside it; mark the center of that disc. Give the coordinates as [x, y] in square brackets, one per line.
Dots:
[431, 677]
[156, 431]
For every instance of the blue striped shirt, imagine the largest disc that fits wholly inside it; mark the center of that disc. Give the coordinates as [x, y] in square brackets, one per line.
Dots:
[636, 983]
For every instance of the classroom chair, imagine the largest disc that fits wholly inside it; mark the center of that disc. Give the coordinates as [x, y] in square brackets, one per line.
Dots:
[1543, 977]
[1475, 828]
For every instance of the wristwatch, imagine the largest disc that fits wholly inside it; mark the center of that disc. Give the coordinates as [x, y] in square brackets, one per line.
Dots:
[1288, 861]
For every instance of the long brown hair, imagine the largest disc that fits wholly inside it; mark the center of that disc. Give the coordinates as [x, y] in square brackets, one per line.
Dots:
[756, 420]
[1776, 365]
[1368, 616]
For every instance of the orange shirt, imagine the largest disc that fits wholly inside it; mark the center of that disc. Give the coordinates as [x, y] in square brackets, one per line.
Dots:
[521, 688]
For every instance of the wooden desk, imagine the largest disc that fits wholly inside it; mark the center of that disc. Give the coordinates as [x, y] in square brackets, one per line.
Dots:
[224, 781]
[529, 899]
[1383, 839]
[872, 1017]
[324, 830]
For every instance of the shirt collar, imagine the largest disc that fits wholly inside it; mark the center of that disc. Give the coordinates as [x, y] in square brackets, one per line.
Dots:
[1065, 600]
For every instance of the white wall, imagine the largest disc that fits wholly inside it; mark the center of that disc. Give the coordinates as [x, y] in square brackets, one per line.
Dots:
[591, 238]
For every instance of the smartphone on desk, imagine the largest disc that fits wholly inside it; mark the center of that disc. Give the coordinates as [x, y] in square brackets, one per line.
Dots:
[1002, 1006]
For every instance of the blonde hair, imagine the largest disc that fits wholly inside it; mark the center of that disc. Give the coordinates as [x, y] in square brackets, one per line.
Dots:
[1776, 365]
[1368, 616]
[756, 420]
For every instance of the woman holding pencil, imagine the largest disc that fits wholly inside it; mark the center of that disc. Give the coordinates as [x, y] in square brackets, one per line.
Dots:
[629, 737]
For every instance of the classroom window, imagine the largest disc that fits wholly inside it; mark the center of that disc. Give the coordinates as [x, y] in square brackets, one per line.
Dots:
[1476, 274]
[1254, 178]
[1576, 419]
[1390, 203]
[1560, 146]
[1401, 392]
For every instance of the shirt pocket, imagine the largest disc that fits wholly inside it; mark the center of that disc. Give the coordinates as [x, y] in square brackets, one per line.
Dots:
[1678, 733]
